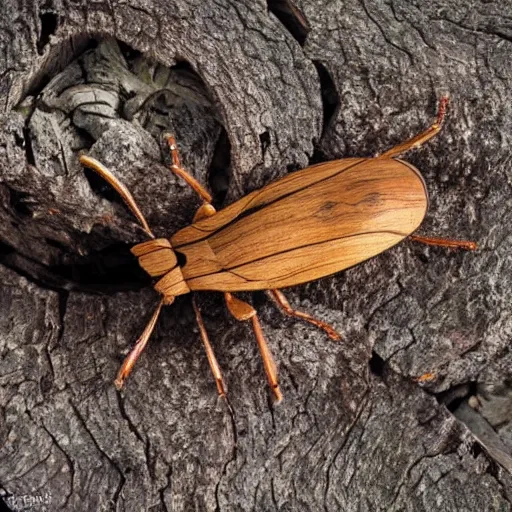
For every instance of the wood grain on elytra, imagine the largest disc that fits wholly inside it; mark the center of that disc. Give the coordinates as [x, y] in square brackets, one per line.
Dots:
[347, 213]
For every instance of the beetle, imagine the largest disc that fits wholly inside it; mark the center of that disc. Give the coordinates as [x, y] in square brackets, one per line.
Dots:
[307, 225]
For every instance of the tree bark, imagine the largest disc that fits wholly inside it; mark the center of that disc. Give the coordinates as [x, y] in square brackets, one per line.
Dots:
[411, 411]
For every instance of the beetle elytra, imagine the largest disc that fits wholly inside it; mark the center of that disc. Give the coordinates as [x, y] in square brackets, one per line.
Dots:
[307, 225]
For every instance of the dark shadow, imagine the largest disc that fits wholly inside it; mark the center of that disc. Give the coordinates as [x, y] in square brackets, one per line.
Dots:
[291, 17]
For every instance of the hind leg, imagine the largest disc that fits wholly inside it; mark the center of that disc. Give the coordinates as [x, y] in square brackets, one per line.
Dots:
[445, 242]
[423, 137]
[279, 299]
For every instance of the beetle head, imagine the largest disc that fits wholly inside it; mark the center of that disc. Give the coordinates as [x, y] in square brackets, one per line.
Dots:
[158, 259]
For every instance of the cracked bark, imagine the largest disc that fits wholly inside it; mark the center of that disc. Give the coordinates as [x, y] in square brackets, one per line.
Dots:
[252, 91]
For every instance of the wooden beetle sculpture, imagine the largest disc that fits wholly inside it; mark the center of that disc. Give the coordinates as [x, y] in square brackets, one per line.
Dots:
[307, 225]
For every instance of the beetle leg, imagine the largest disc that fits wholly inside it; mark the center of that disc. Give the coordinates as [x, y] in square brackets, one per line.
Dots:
[423, 137]
[119, 187]
[212, 360]
[136, 351]
[205, 210]
[280, 300]
[445, 242]
[243, 311]
[179, 171]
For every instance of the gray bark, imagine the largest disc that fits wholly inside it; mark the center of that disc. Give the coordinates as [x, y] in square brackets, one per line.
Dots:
[252, 91]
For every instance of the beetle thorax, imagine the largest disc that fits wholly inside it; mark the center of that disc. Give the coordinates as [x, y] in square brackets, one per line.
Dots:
[158, 259]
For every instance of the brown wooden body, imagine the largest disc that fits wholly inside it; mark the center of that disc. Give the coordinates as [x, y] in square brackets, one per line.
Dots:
[310, 224]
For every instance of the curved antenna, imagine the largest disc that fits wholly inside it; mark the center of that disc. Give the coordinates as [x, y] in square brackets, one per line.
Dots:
[121, 189]
[136, 351]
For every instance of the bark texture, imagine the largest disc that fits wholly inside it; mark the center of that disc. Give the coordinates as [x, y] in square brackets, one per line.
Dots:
[412, 411]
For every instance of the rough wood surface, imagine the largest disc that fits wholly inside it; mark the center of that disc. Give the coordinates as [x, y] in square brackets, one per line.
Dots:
[252, 90]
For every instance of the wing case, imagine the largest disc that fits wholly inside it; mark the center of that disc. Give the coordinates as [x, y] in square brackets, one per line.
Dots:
[310, 224]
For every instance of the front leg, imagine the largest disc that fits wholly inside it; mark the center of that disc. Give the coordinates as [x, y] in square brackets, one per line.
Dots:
[212, 360]
[206, 209]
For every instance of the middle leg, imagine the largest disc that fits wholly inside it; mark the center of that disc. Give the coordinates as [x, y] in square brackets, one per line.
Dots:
[243, 311]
